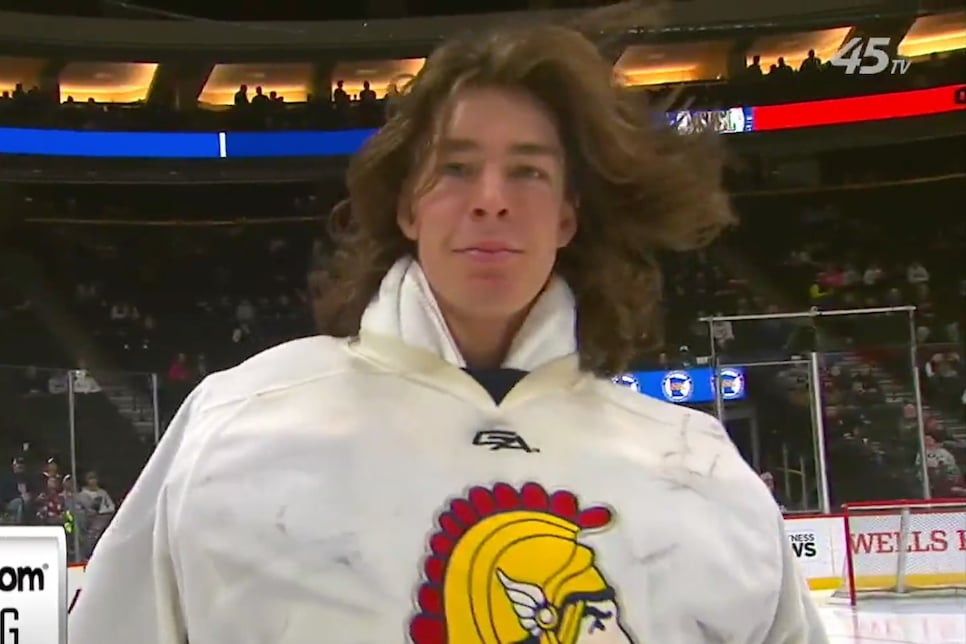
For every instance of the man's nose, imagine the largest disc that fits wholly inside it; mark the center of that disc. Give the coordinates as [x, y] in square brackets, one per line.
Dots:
[490, 194]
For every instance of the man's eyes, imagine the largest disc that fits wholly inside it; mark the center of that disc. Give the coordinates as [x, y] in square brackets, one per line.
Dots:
[521, 171]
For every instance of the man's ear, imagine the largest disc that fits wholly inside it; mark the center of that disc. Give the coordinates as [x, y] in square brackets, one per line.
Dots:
[568, 223]
[406, 219]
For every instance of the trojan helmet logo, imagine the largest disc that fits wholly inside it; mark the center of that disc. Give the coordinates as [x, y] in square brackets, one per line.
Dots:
[506, 567]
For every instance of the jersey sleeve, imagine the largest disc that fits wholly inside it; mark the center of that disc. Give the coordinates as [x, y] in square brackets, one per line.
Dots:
[129, 591]
[797, 620]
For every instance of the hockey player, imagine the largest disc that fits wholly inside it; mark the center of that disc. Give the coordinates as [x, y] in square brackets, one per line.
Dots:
[450, 462]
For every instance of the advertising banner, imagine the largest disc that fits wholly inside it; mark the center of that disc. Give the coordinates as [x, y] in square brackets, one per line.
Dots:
[33, 585]
[686, 385]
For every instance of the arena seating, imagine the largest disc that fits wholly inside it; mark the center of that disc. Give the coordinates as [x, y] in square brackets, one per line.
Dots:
[29, 107]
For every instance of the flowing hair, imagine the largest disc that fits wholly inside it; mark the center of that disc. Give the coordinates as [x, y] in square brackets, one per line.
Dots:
[640, 188]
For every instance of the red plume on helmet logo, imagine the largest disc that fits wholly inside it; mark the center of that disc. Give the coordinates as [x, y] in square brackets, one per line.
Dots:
[507, 566]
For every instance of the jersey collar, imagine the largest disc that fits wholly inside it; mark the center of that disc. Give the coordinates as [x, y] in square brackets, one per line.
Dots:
[403, 329]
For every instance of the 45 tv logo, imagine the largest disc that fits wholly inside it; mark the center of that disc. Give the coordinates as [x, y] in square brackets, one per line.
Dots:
[868, 56]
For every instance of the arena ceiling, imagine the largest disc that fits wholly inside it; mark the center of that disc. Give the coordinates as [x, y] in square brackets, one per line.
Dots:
[673, 63]
[291, 10]
[938, 33]
[106, 82]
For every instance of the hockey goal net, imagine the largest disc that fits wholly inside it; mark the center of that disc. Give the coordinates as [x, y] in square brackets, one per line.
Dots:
[901, 548]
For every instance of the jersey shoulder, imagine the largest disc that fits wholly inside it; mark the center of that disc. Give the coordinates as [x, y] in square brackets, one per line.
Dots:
[657, 414]
[285, 366]
[694, 446]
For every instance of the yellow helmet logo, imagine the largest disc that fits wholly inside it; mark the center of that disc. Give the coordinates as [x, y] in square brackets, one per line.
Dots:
[506, 567]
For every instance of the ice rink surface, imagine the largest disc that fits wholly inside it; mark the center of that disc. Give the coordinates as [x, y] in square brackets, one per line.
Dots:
[896, 621]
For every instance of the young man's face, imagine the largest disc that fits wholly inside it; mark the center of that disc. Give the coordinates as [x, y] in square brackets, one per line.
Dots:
[488, 229]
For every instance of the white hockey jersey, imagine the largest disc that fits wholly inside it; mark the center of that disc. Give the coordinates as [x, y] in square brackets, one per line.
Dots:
[372, 492]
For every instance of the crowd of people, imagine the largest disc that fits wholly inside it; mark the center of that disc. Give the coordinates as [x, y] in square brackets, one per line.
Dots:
[845, 257]
[41, 494]
[260, 108]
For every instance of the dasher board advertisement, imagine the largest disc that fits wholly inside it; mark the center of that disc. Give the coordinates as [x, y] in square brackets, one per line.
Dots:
[33, 585]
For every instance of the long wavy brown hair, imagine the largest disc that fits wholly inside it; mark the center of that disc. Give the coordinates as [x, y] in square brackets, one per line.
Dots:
[640, 188]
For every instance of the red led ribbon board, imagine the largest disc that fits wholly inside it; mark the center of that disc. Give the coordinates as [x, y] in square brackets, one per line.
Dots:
[858, 109]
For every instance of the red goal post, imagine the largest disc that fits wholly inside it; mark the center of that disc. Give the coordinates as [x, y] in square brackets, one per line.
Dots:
[904, 548]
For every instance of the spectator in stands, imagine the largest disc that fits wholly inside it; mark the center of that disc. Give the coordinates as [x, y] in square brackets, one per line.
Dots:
[873, 275]
[769, 480]
[16, 492]
[945, 476]
[52, 503]
[241, 335]
[782, 69]
[145, 341]
[98, 509]
[833, 277]
[120, 311]
[944, 377]
[724, 333]
[93, 497]
[260, 101]
[339, 96]
[894, 297]
[812, 63]
[664, 362]
[754, 69]
[393, 94]
[84, 382]
[245, 312]
[817, 294]
[241, 96]
[180, 370]
[850, 276]
[73, 514]
[916, 273]
[201, 367]
[50, 470]
[367, 95]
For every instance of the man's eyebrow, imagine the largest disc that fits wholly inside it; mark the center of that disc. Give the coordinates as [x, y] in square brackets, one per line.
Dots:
[536, 149]
[457, 145]
[450, 145]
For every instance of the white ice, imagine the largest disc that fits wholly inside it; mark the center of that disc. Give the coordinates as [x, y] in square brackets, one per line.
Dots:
[897, 621]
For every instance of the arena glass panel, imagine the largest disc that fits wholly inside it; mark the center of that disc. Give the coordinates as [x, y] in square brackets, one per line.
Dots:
[872, 405]
[35, 445]
[776, 413]
[766, 402]
[114, 429]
